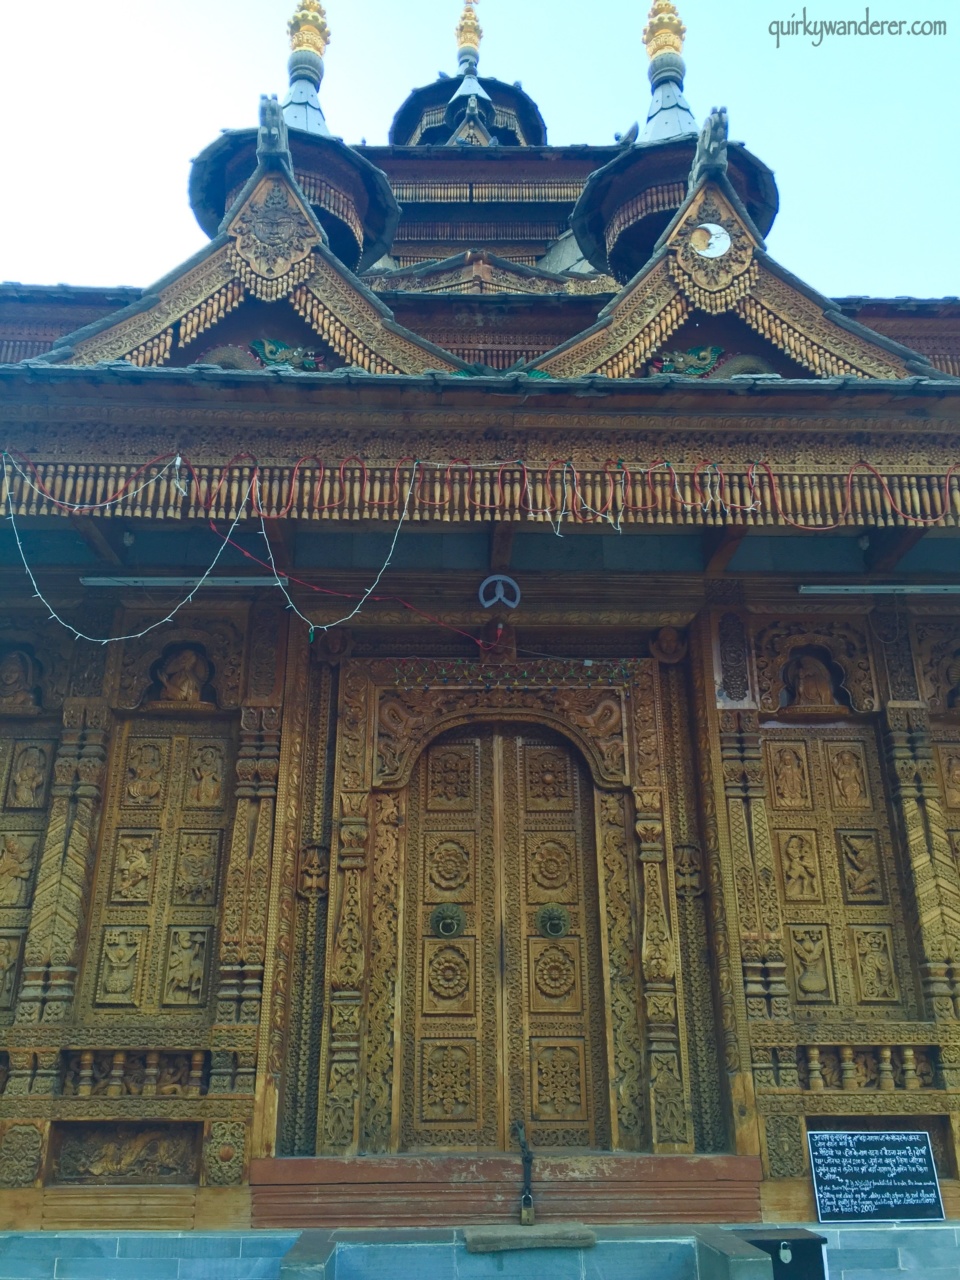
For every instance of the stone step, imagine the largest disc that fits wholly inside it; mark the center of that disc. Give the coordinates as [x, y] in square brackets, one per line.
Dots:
[143, 1255]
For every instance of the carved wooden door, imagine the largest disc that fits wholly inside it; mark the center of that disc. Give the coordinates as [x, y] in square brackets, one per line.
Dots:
[502, 1014]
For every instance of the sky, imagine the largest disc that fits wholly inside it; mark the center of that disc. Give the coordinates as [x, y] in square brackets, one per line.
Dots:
[105, 103]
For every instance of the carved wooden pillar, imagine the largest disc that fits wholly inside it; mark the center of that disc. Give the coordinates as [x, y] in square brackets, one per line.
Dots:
[727, 865]
[934, 882]
[55, 937]
[244, 919]
[341, 1115]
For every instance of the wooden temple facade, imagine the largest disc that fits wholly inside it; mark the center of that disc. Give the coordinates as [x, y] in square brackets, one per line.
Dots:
[510, 761]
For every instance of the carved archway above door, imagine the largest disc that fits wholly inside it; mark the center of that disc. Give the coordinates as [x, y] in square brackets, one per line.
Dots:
[388, 713]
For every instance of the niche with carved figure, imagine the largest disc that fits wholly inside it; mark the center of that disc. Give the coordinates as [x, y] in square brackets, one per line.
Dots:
[20, 682]
[813, 685]
[181, 680]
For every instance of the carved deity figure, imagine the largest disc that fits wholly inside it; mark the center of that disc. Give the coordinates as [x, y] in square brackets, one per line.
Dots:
[790, 778]
[809, 952]
[28, 778]
[951, 777]
[16, 869]
[134, 858]
[800, 872]
[862, 873]
[183, 676]
[143, 773]
[877, 981]
[9, 955]
[668, 646]
[121, 952]
[848, 777]
[18, 680]
[809, 683]
[185, 967]
[174, 1074]
[205, 788]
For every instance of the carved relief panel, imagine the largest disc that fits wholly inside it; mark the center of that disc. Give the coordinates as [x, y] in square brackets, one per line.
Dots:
[838, 884]
[501, 988]
[25, 774]
[159, 867]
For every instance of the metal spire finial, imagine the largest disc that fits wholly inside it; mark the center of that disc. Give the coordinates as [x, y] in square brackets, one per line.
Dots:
[664, 30]
[469, 34]
[308, 28]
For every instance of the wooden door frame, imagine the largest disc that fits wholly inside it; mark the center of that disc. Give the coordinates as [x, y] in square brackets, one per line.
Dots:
[610, 713]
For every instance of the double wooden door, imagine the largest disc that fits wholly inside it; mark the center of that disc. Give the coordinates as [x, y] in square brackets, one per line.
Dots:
[502, 1005]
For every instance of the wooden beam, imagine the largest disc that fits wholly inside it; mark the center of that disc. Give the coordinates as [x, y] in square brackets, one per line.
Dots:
[104, 543]
[719, 548]
[282, 536]
[501, 546]
[888, 547]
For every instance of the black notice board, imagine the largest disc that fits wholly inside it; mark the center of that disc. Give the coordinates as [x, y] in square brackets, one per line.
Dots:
[870, 1176]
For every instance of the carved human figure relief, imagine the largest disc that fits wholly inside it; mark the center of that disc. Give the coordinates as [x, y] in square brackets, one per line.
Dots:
[790, 784]
[183, 675]
[131, 879]
[186, 964]
[174, 1074]
[144, 769]
[16, 869]
[951, 777]
[668, 646]
[18, 683]
[197, 868]
[801, 870]
[204, 788]
[849, 780]
[9, 962]
[878, 979]
[811, 963]
[119, 966]
[861, 866]
[28, 778]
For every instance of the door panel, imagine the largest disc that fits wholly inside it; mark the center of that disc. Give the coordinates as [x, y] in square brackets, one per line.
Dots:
[502, 990]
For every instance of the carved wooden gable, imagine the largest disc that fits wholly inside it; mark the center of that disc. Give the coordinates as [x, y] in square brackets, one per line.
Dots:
[712, 263]
[272, 250]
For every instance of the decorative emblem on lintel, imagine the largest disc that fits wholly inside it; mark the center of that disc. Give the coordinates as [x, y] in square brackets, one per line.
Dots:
[273, 240]
[499, 589]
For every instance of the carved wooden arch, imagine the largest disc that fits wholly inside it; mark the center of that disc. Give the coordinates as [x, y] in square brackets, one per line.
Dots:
[846, 642]
[220, 638]
[588, 746]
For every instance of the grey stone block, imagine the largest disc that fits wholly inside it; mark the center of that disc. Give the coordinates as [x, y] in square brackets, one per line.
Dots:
[24, 1268]
[924, 1254]
[198, 1244]
[69, 1268]
[229, 1269]
[532, 1264]
[880, 1259]
[893, 1237]
[268, 1244]
[398, 1262]
[868, 1273]
[653, 1260]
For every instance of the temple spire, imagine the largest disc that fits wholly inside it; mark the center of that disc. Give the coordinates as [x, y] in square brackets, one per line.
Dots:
[469, 35]
[669, 116]
[309, 37]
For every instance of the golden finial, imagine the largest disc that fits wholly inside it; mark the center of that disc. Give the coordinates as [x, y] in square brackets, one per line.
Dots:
[308, 28]
[664, 30]
[469, 33]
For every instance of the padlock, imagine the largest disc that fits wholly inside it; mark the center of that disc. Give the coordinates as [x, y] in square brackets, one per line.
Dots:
[526, 1210]
[786, 1253]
